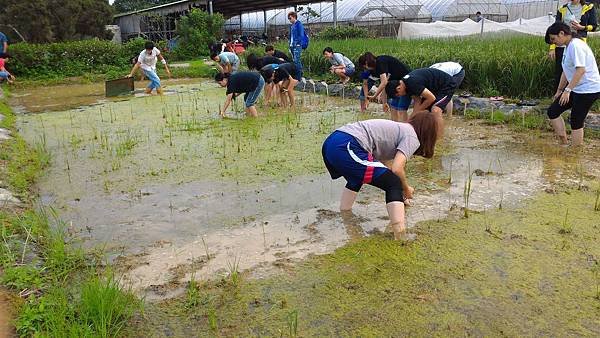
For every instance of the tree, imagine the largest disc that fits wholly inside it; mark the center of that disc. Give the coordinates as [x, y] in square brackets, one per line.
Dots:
[58, 20]
[29, 17]
[122, 6]
[196, 30]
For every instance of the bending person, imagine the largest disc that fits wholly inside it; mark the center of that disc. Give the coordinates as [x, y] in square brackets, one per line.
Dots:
[147, 61]
[431, 89]
[457, 72]
[579, 85]
[387, 68]
[340, 64]
[356, 152]
[249, 83]
[281, 76]
[227, 62]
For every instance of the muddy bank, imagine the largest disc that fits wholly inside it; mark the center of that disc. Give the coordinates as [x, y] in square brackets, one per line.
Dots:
[6, 315]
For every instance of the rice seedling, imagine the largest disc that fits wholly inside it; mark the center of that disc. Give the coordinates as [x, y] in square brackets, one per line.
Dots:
[212, 318]
[192, 293]
[206, 249]
[566, 227]
[467, 191]
[596, 272]
[597, 202]
[292, 323]
[234, 273]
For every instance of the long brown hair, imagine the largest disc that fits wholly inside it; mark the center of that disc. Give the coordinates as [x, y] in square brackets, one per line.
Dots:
[429, 127]
[367, 59]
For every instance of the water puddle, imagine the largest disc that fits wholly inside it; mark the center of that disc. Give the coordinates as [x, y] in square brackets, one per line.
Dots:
[70, 96]
[172, 192]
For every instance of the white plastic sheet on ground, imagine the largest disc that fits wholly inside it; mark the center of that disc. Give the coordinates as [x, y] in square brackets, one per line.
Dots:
[440, 29]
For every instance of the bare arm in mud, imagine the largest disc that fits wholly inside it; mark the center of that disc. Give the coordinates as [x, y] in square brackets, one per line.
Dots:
[398, 169]
[381, 88]
[425, 100]
[164, 62]
[134, 69]
[561, 86]
[564, 98]
[226, 105]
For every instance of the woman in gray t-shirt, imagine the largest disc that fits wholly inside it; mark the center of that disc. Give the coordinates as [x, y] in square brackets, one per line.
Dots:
[356, 152]
[340, 64]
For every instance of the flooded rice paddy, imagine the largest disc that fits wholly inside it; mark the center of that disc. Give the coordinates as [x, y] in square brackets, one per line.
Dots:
[173, 192]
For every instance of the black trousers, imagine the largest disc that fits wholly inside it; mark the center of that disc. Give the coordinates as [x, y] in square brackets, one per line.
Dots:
[579, 104]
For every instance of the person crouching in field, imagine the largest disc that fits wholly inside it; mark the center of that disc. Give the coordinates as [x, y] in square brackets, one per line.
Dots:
[579, 85]
[281, 76]
[5, 75]
[430, 88]
[457, 72]
[227, 62]
[340, 64]
[356, 152]
[249, 83]
[147, 61]
[386, 68]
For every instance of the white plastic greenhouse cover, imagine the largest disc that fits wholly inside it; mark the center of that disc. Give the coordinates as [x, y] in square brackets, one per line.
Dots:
[440, 29]
[359, 10]
[347, 11]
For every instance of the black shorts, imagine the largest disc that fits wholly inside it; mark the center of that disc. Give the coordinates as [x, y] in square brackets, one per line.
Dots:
[442, 100]
[579, 104]
[458, 78]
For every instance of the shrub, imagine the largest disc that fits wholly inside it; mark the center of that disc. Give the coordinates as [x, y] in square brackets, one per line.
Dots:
[342, 33]
[196, 30]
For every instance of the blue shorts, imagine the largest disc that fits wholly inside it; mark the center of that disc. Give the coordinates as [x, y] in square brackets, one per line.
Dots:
[349, 71]
[344, 156]
[400, 102]
[251, 97]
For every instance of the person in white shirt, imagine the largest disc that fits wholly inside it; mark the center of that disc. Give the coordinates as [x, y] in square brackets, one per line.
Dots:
[147, 61]
[340, 64]
[579, 85]
[457, 72]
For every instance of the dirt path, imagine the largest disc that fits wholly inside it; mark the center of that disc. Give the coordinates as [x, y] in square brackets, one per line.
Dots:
[6, 328]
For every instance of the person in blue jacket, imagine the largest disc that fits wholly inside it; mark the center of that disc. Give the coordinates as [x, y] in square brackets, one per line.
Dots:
[296, 38]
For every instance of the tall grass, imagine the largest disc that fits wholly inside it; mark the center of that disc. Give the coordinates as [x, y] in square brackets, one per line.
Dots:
[511, 65]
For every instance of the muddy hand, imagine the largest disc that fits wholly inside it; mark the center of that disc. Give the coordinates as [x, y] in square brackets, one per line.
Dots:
[408, 193]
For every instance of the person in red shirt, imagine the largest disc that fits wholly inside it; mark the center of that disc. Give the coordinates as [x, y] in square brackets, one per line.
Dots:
[5, 74]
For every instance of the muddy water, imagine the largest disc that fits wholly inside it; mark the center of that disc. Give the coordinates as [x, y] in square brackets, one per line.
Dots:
[172, 192]
[62, 97]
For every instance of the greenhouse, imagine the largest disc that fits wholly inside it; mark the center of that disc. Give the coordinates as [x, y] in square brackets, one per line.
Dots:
[383, 17]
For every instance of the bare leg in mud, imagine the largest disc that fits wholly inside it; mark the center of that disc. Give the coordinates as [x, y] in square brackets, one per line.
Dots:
[350, 221]
[559, 129]
[396, 212]
[577, 137]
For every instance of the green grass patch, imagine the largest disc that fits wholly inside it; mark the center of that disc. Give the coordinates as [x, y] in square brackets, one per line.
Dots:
[509, 65]
[65, 292]
[500, 273]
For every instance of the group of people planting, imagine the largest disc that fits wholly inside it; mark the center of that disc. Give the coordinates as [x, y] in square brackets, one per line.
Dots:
[358, 151]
